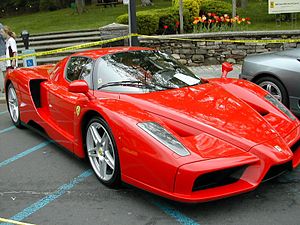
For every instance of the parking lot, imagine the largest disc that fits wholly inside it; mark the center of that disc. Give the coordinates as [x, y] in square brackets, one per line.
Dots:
[42, 184]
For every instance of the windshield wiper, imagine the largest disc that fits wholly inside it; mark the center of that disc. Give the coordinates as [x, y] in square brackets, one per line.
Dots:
[130, 83]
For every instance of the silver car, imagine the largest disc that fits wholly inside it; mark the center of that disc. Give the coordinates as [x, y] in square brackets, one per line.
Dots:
[278, 73]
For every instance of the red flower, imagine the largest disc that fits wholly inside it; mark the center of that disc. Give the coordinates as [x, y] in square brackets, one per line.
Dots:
[177, 24]
[166, 27]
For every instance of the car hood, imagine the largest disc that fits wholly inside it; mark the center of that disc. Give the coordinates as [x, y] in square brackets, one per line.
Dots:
[210, 109]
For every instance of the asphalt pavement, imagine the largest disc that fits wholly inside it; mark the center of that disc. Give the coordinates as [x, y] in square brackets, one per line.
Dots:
[43, 184]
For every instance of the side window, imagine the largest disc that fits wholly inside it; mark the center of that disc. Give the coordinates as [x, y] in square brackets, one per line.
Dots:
[80, 68]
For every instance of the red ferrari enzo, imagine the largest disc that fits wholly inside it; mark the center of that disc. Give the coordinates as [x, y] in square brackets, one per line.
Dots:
[142, 118]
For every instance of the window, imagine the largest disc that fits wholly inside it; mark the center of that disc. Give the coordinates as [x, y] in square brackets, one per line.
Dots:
[141, 71]
[80, 68]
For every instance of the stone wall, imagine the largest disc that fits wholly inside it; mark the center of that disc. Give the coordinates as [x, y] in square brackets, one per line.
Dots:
[205, 52]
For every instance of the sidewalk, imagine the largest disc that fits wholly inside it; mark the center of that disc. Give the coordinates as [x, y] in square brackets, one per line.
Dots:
[201, 71]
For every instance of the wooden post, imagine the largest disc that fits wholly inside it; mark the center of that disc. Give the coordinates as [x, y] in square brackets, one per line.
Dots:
[233, 8]
[181, 16]
[133, 41]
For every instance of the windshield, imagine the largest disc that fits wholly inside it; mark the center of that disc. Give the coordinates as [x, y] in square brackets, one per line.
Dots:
[142, 71]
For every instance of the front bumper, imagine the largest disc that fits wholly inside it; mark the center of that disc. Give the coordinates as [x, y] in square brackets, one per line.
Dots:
[261, 163]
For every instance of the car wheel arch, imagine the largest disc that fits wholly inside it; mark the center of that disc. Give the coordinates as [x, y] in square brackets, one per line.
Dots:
[271, 75]
[84, 122]
[264, 74]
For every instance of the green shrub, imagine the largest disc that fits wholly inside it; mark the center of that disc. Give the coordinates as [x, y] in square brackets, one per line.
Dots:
[153, 21]
[192, 5]
[48, 5]
[147, 21]
[217, 7]
[123, 19]
[171, 20]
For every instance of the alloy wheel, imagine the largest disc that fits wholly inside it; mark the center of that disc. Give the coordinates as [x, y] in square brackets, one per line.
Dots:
[100, 150]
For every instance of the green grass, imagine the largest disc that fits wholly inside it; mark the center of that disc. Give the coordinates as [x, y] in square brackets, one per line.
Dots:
[96, 17]
[258, 12]
[66, 19]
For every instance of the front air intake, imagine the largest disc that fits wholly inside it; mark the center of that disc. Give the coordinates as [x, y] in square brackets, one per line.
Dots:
[219, 178]
[295, 146]
[277, 170]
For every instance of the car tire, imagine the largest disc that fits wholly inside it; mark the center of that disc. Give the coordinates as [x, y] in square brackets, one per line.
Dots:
[102, 152]
[274, 87]
[13, 105]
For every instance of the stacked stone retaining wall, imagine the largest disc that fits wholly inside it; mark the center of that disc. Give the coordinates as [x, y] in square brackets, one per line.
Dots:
[195, 52]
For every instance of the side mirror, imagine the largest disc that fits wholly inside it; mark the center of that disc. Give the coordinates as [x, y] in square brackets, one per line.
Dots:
[226, 68]
[79, 86]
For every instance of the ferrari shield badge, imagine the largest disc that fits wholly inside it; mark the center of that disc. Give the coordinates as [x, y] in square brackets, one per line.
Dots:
[77, 110]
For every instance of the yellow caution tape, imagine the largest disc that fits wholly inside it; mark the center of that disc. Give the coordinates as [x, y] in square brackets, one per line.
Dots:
[91, 44]
[268, 41]
[14, 222]
[75, 47]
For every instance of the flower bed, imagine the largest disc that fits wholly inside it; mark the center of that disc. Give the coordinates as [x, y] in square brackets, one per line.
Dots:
[214, 23]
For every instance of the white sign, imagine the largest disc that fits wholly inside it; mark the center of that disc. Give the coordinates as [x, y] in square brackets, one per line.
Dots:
[125, 2]
[284, 6]
[29, 61]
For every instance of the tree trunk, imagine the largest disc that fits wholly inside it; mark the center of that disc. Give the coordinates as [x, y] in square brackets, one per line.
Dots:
[80, 4]
[242, 3]
[146, 2]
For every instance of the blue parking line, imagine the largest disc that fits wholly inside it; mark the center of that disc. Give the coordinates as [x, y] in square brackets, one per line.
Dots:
[50, 198]
[4, 112]
[7, 129]
[181, 218]
[22, 154]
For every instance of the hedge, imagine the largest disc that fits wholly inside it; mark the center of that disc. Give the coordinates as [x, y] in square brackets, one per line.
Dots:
[154, 21]
[192, 5]
[217, 7]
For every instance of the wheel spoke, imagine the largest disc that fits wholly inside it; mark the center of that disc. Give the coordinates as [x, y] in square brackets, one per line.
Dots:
[11, 105]
[104, 140]
[278, 97]
[93, 152]
[269, 88]
[14, 114]
[102, 168]
[95, 135]
[13, 94]
[109, 160]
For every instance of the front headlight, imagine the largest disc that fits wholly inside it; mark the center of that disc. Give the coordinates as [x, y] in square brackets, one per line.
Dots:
[280, 106]
[164, 137]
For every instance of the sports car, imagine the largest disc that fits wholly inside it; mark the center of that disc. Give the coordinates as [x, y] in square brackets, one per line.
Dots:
[278, 73]
[142, 118]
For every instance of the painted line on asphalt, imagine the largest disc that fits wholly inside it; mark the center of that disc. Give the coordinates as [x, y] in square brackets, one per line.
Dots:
[26, 152]
[178, 216]
[7, 129]
[14, 222]
[50, 198]
[3, 112]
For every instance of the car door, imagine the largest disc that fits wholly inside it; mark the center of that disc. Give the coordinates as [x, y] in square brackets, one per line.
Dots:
[62, 103]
